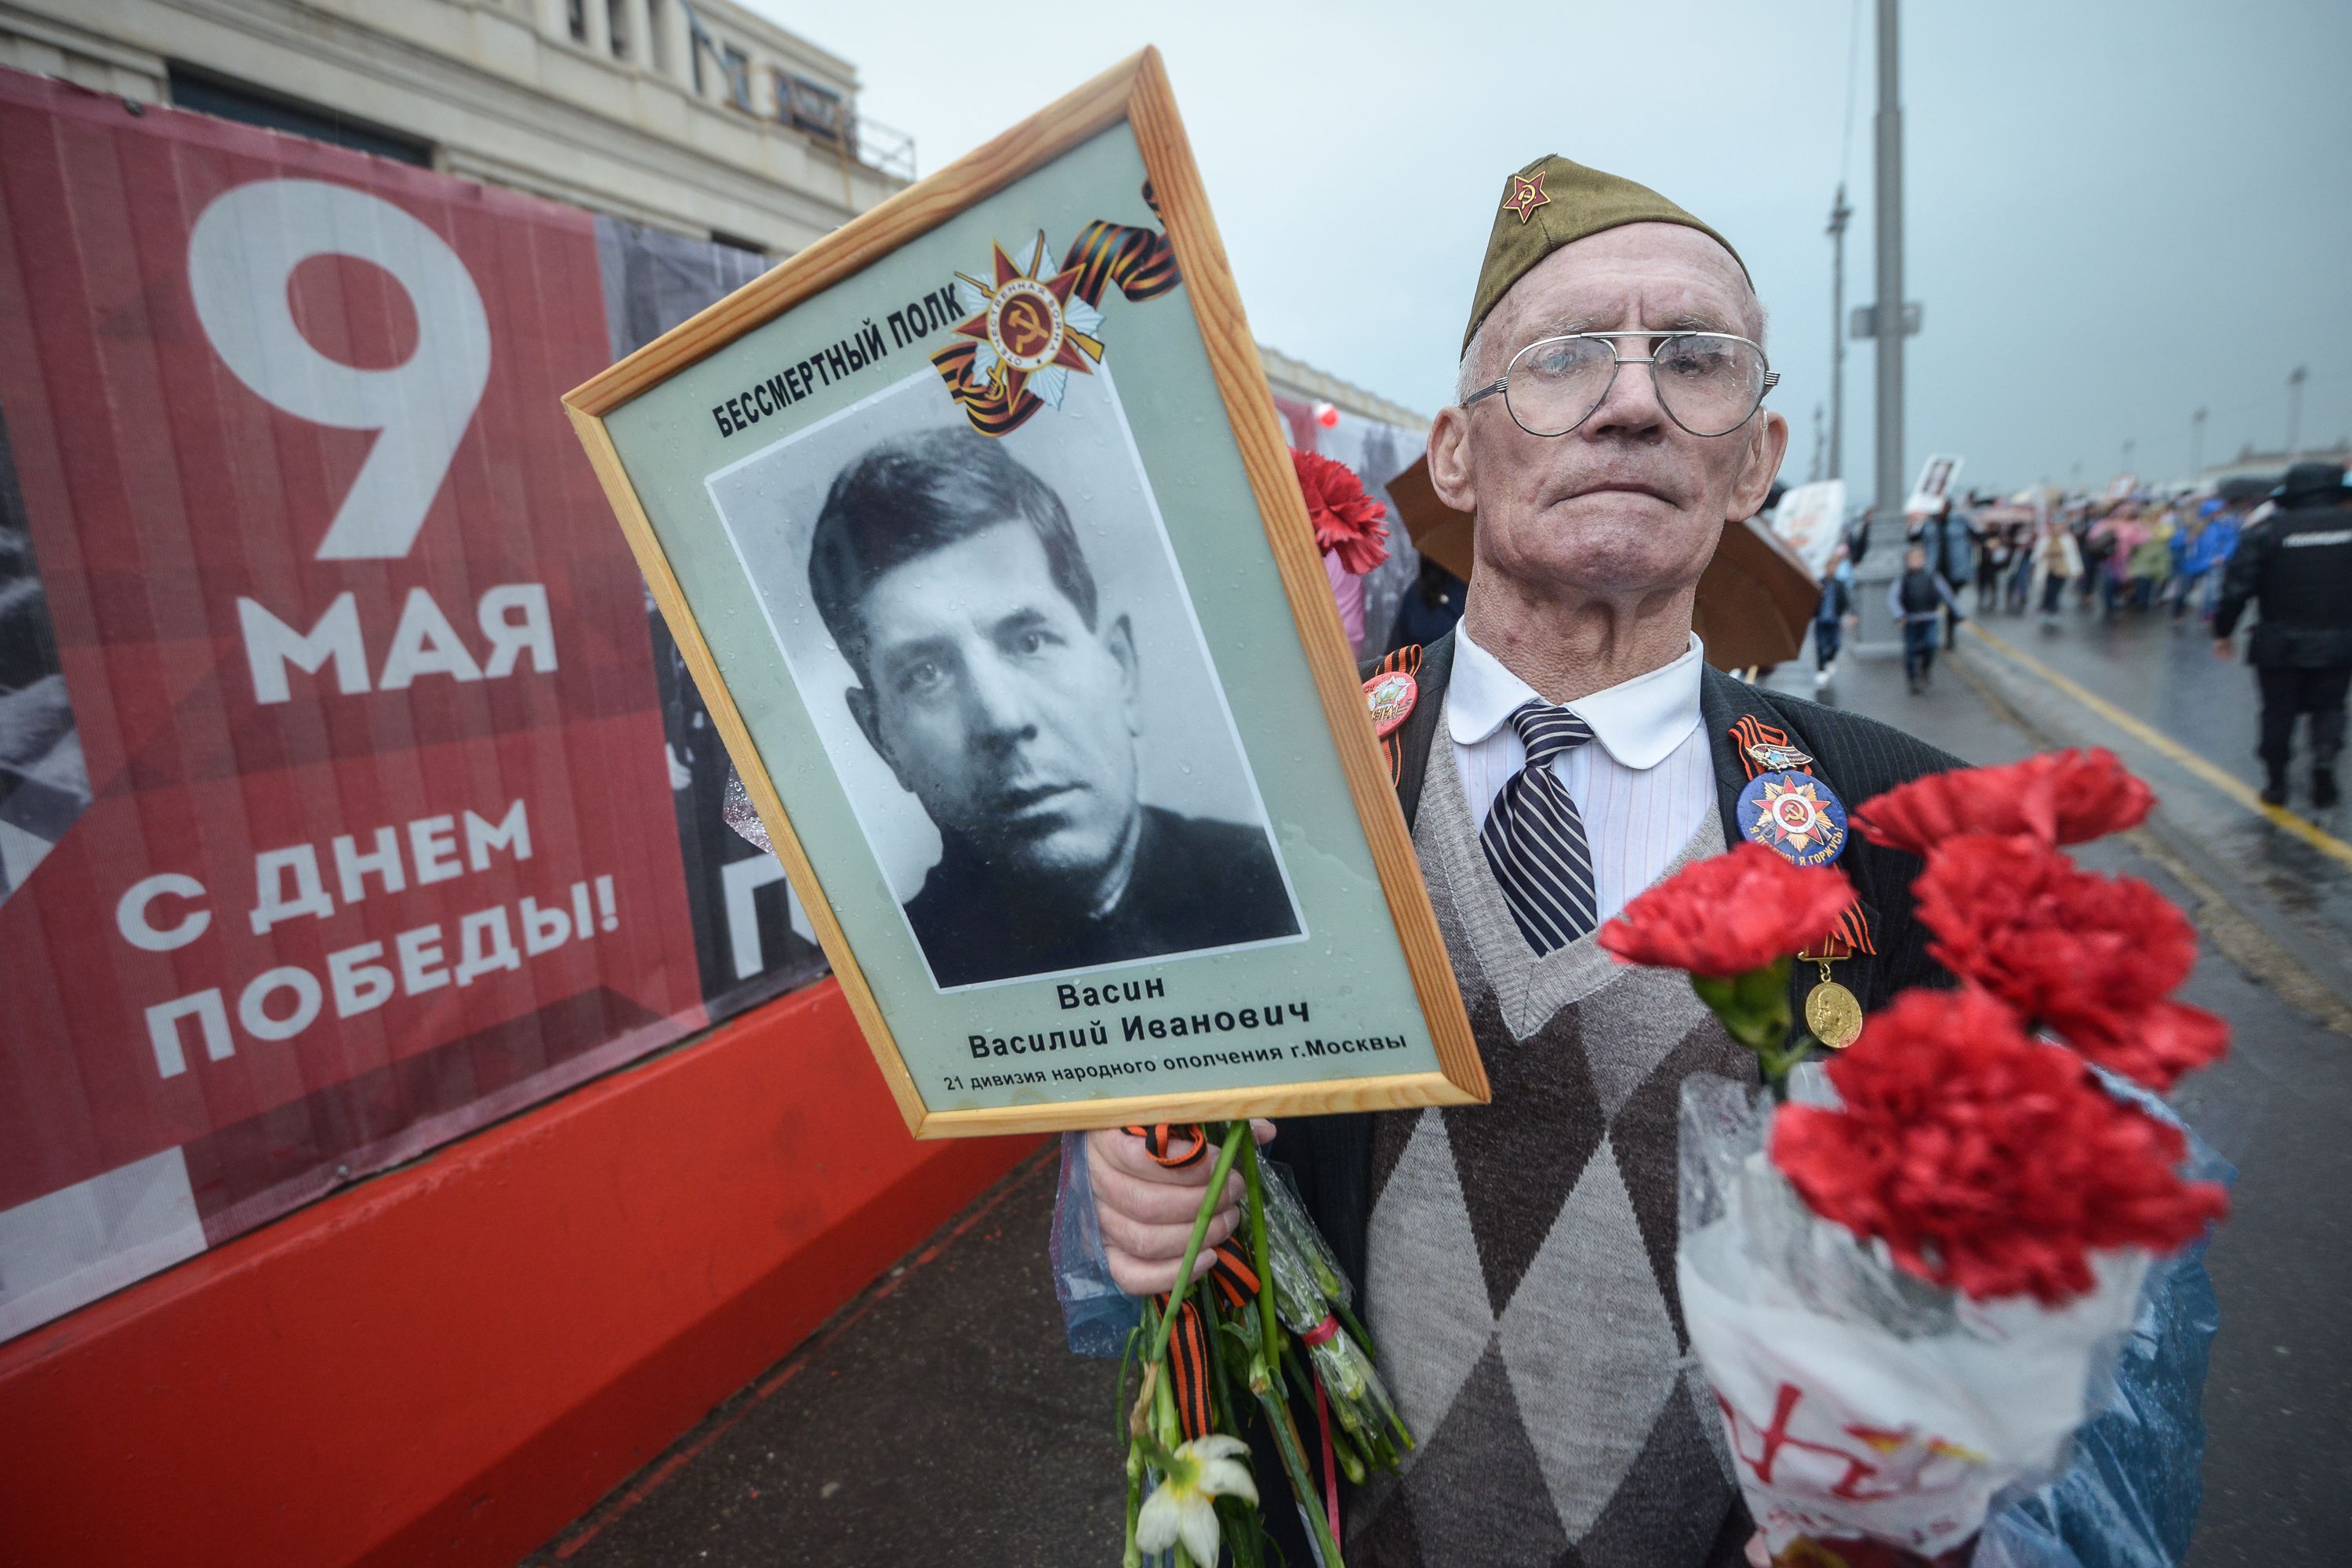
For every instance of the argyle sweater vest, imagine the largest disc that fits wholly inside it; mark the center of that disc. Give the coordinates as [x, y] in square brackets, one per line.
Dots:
[1520, 1255]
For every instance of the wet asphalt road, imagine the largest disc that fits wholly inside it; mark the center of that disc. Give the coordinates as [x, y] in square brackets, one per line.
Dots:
[938, 1418]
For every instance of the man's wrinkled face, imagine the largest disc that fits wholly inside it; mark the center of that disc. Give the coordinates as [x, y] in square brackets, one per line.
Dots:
[1629, 502]
[999, 709]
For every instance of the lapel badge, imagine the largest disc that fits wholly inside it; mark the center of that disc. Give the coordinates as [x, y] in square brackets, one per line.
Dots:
[1527, 195]
[1779, 759]
[1391, 697]
[1796, 816]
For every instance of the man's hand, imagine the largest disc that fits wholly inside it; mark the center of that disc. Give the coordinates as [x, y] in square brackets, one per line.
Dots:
[1146, 1210]
[2225, 649]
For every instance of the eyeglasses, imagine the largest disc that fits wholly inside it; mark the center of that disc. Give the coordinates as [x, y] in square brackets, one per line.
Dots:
[1709, 382]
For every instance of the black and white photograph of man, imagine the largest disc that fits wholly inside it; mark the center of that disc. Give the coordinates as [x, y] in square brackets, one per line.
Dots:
[1032, 680]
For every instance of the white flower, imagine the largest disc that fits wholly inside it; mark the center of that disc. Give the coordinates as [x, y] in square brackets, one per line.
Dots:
[1203, 1469]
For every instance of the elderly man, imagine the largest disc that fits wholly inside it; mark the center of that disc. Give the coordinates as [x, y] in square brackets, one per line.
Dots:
[1568, 749]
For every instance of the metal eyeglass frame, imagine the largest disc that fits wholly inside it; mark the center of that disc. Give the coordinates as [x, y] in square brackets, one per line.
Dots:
[1502, 382]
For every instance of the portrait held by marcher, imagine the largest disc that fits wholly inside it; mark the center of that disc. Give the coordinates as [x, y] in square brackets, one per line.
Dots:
[1009, 606]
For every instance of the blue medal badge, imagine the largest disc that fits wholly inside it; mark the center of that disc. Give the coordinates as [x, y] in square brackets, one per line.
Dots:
[1794, 815]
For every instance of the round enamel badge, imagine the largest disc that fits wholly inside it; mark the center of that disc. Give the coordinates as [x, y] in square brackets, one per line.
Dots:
[1024, 324]
[1795, 814]
[1389, 698]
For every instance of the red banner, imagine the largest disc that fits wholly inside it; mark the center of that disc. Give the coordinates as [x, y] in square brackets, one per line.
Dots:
[373, 837]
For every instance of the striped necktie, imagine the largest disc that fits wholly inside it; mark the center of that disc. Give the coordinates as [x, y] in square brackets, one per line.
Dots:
[1534, 836]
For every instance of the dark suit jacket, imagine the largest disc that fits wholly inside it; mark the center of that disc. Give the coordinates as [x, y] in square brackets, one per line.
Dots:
[1197, 883]
[1331, 1155]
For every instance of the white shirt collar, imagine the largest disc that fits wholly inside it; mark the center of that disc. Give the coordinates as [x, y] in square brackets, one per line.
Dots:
[1638, 721]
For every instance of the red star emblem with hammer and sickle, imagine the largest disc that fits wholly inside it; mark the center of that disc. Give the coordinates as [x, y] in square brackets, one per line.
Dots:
[1527, 195]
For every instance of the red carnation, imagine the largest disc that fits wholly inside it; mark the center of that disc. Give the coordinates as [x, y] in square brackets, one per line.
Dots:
[1729, 913]
[1346, 518]
[2076, 952]
[2155, 1047]
[1987, 1161]
[2058, 797]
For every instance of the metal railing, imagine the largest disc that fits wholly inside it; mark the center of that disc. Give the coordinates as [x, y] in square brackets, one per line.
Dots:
[886, 149]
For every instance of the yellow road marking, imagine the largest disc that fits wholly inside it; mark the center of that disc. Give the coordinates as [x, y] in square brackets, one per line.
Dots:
[2236, 788]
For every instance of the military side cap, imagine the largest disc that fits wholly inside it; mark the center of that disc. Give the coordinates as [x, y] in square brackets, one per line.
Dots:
[1553, 202]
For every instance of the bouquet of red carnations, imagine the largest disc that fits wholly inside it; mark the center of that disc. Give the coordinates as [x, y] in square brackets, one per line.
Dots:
[1905, 1273]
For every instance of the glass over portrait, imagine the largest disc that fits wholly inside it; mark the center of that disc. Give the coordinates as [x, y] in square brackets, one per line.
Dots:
[1005, 672]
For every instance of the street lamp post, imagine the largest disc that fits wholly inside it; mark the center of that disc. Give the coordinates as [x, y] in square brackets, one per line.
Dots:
[2294, 410]
[1889, 217]
[1839, 213]
[2196, 443]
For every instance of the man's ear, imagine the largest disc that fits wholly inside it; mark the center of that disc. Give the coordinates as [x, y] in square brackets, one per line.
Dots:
[1449, 459]
[1765, 450]
[869, 724]
[1119, 636]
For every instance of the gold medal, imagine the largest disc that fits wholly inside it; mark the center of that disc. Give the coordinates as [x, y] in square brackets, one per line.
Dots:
[1832, 1015]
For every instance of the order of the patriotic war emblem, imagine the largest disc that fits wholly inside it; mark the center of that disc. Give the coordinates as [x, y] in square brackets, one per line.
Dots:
[1795, 816]
[1035, 322]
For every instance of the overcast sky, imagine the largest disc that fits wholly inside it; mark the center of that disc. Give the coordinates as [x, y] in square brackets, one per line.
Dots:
[2119, 210]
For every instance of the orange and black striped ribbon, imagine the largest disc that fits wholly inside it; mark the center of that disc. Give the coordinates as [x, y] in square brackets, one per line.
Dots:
[1173, 1145]
[1188, 1371]
[1231, 1276]
[1851, 933]
[983, 401]
[1407, 660]
[1140, 261]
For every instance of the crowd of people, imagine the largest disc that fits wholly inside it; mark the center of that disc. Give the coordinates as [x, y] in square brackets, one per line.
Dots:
[2127, 555]
[2139, 555]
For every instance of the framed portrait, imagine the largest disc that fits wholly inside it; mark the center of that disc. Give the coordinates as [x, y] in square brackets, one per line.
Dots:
[975, 526]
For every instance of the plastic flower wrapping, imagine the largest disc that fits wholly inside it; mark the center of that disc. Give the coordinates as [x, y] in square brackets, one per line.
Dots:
[1908, 1270]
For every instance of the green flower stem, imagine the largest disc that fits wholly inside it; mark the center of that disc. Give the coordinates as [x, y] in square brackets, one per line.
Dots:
[1778, 1065]
[1165, 1427]
[1253, 1178]
[1276, 1411]
[1351, 1460]
[1211, 1323]
[1241, 1528]
[1236, 1135]
[1754, 1007]
[1396, 1424]
[1132, 1555]
[1362, 1335]
[1126, 1363]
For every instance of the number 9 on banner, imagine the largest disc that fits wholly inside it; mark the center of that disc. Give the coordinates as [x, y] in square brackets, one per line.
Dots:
[241, 259]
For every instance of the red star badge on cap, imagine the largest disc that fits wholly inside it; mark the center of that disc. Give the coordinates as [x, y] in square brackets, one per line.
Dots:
[1527, 195]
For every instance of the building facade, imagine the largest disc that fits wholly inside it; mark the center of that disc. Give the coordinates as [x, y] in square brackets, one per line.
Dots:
[692, 116]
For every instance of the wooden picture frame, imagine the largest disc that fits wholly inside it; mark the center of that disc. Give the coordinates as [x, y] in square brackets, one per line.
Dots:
[643, 423]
